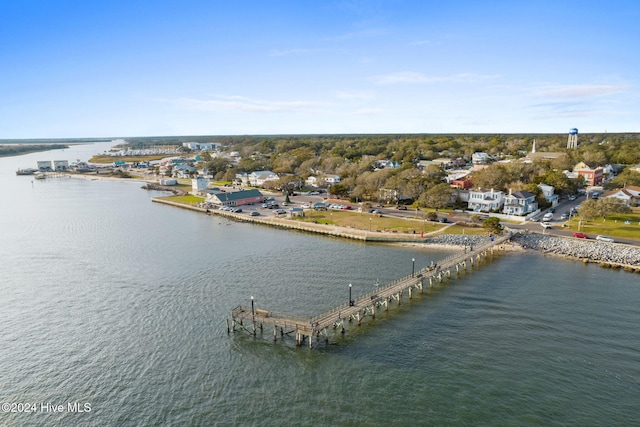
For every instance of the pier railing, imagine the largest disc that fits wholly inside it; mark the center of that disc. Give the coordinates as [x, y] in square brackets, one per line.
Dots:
[308, 326]
[391, 287]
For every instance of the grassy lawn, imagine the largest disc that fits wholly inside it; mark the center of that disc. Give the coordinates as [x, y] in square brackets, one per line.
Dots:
[474, 231]
[614, 226]
[188, 199]
[364, 221]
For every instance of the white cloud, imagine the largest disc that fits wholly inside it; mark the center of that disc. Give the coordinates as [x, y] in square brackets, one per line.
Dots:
[412, 77]
[358, 95]
[239, 103]
[368, 111]
[581, 91]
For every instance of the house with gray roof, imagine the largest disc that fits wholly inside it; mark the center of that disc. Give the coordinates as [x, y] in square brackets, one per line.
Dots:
[520, 203]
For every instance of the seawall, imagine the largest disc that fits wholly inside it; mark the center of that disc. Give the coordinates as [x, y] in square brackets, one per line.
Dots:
[308, 227]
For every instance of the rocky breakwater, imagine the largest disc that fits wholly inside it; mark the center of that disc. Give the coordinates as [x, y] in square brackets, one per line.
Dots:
[456, 240]
[607, 254]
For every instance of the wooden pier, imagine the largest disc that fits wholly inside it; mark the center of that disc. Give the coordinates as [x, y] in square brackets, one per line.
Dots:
[254, 320]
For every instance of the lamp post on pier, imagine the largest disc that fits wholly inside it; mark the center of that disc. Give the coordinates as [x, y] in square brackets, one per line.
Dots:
[413, 266]
[350, 300]
[253, 312]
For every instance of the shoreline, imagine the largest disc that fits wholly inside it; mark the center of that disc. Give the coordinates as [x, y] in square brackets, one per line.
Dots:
[626, 258]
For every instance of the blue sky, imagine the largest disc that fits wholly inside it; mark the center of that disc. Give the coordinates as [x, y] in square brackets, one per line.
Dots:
[140, 68]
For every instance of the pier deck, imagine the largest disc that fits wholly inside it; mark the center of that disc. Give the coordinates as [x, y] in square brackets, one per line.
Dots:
[252, 319]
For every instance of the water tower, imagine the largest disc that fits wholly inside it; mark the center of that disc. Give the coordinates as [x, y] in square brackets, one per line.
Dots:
[573, 138]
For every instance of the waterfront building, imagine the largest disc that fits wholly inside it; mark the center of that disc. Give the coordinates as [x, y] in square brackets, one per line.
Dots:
[520, 203]
[485, 201]
[235, 198]
[198, 183]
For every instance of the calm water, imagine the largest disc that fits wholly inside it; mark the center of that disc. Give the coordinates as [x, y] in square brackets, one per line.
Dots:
[121, 303]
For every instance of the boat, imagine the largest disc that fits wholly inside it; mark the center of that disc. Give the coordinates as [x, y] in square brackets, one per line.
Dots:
[39, 175]
[27, 171]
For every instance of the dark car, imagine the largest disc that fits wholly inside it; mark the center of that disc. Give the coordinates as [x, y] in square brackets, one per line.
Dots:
[402, 208]
[443, 220]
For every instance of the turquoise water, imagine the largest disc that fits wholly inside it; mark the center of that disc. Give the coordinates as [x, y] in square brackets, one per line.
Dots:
[112, 300]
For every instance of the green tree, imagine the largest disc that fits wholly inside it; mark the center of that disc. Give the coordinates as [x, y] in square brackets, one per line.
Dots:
[437, 197]
[492, 224]
[288, 184]
[339, 190]
[493, 176]
[217, 165]
[590, 209]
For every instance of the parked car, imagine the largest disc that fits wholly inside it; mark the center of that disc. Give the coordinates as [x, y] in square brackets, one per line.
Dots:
[443, 219]
[546, 224]
[547, 217]
[564, 216]
[580, 235]
[254, 213]
[605, 239]
[572, 197]
[306, 206]
[402, 208]
[346, 208]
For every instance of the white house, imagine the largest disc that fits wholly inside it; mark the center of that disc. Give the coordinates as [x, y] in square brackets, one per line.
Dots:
[258, 178]
[60, 165]
[386, 164]
[549, 193]
[44, 165]
[183, 171]
[332, 179]
[480, 158]
[485, 201]
[520, 203]
[199, 183]
[201, 146]
[629, 195]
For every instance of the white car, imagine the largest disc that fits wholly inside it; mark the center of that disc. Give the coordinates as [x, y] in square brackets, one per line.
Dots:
[306, 206]
[604, 239]
[547, 217]
[546, 224]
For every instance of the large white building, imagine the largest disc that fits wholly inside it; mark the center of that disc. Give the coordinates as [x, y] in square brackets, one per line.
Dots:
[202, 146]
[485, 201]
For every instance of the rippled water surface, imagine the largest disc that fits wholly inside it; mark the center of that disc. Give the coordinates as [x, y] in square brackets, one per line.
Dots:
[114, 300]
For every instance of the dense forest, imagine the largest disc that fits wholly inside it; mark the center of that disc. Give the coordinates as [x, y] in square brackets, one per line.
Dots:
[621, 148]
[17, 149]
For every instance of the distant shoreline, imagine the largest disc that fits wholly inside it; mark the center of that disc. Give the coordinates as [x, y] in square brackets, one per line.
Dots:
[28, 149]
